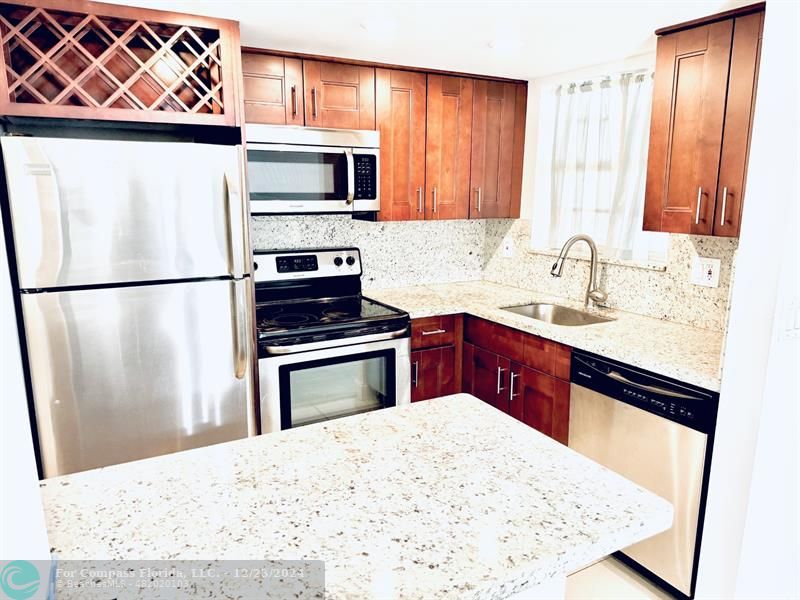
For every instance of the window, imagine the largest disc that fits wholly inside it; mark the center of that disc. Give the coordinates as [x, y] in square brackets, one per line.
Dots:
[593, 138]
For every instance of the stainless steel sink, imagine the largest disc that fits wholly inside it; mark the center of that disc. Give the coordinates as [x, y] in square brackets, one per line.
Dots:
[558, 315]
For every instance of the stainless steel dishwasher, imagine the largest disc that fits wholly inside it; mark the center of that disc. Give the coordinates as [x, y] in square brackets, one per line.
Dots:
[656, 432]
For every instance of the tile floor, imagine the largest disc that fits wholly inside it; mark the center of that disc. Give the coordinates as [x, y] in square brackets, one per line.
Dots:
[609, 579]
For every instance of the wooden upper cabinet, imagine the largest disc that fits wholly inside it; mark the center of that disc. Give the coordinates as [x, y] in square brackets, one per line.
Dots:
[686, 123]
[338, 95]
[400, 104]
[273, 89]
[91, 60]
[493, 130]
[745, 55]
[448, 147]
[700, 126]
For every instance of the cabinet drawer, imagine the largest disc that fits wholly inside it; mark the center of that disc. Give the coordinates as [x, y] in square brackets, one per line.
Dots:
[502, 340]
[430, 332]
[547, 356]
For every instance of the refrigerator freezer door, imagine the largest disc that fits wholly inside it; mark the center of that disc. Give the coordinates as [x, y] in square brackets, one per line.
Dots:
[88, 212]
[126, 373]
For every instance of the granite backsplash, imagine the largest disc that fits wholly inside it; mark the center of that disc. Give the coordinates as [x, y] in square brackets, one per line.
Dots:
[393, 254]
[399, 254]
[663, 294]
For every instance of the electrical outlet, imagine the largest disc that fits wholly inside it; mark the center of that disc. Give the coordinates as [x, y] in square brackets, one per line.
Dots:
[508, 247]
[705, 271]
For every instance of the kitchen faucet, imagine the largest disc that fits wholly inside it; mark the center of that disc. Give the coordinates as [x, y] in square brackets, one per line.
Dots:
[592, 291]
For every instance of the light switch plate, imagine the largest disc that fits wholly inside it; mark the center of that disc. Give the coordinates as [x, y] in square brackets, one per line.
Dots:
[508, 247]
[705, 271]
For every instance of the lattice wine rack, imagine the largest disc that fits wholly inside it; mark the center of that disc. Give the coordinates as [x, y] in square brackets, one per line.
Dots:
[116, 62]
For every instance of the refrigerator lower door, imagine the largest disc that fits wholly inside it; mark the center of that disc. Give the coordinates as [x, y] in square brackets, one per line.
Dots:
[88, 212]
[126, 373]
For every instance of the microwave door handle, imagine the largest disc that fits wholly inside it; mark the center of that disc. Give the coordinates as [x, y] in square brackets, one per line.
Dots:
[351, 176]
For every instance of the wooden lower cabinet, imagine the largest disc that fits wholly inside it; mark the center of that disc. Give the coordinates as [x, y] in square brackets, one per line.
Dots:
[542, 402]
[485, 375]
[432, 373]
[538, 399]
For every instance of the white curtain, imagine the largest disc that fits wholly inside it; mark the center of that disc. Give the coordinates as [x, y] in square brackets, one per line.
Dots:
[599, 159]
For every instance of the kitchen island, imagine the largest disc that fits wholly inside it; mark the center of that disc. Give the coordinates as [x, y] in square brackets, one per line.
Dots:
[448, 498]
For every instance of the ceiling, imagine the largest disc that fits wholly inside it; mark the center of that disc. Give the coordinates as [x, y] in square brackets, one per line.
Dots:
[522, 40]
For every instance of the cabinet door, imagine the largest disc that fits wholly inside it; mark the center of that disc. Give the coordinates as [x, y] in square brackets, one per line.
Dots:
[432, 373]
[745, 55]
[339, 96]
[400, 99]
[273, 89]
[521, 107]
[447, 147]
[486, 376]
[493, 115]
[516, 404]
[686, 123]
[545, 403]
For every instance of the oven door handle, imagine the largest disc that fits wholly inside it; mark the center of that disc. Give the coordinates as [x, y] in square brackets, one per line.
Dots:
[341, 342]
[351, 175]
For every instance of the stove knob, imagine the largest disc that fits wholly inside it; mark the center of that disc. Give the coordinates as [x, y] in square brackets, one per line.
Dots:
[351, 261]
[338, 261]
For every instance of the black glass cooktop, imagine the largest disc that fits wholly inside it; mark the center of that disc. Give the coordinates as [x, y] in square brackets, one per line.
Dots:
[274, 319]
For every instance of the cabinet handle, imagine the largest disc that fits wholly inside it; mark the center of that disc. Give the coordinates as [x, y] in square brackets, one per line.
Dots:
[699, 202]
[415, 376]
[478, 194]
[419, 199]
[724, 202]
[294, 100]
[512, 394]
[313, 103]
[434, 332]
[434, 199]
[500, 387]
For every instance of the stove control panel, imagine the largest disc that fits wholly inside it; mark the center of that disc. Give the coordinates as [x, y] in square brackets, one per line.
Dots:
[282, 265]
[296, 264]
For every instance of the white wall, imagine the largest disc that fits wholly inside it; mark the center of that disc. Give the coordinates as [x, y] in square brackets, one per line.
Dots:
[22, 526]
[759, 382]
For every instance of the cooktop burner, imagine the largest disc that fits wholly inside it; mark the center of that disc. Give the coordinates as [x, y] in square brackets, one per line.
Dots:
[297, 316]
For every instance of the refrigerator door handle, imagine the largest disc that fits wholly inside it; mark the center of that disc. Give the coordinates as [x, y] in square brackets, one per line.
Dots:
[239, 312]
[244, 197]
[233, 212]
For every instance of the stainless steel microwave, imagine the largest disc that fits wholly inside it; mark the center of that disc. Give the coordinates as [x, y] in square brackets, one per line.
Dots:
[296, 170]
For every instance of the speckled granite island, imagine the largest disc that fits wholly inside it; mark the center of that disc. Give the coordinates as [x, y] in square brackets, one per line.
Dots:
[448, 498]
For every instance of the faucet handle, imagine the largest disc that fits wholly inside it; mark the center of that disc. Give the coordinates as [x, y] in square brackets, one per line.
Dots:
[598, 296]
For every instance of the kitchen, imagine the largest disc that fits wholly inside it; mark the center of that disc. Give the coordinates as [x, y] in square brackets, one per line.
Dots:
[443, 276]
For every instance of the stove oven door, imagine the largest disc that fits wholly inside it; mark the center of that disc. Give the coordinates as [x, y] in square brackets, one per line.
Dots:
[319, 385]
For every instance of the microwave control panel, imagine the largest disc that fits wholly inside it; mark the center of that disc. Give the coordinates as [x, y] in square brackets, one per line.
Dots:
[366, 176]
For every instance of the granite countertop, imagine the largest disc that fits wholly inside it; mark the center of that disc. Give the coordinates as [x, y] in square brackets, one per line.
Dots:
[440, 499]
[686, 353]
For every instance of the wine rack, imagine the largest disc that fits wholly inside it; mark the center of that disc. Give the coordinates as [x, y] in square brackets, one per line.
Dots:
[117, 62]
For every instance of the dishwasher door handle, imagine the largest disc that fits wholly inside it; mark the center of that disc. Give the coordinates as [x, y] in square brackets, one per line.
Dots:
[619, 377]
[649, 388]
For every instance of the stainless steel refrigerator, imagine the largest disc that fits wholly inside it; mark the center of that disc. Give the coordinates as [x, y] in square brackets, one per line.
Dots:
[133, 267]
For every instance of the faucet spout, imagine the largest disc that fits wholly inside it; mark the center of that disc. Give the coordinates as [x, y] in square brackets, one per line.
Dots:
[592, 291]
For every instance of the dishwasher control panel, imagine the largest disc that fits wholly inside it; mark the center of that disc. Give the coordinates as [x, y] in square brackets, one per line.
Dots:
[672, 399]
